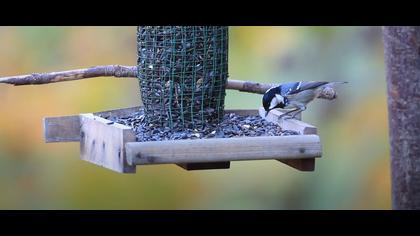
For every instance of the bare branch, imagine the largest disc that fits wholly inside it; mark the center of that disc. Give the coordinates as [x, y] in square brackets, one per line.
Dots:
[129, 72]
[248, 86]
[260, 88]
[53, 77]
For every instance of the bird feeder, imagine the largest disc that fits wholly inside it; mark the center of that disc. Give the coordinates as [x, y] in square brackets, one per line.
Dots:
[182, 73]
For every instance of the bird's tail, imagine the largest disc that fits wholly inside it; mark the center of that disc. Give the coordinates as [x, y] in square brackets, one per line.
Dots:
[333, 84]
[337, 82]
[328, 91]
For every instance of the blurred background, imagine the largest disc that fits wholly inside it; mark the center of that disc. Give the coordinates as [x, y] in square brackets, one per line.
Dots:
[354, 172]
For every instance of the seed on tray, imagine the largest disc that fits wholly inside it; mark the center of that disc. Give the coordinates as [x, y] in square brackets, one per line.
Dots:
[233, 125]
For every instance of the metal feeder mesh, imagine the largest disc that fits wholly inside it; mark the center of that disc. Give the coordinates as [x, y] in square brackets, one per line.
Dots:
[182, 74]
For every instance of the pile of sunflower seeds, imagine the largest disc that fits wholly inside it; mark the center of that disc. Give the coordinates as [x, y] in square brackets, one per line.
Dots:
[232, 125]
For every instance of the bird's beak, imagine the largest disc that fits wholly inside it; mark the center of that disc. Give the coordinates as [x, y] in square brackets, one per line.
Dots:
[266, 113]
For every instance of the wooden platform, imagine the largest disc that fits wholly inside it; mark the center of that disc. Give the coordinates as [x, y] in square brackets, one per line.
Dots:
[114, 146]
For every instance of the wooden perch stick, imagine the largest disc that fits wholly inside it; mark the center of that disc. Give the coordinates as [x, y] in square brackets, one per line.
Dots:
[120, 71]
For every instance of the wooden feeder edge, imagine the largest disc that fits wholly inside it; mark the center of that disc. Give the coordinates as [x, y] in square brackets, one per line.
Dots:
[116, 140]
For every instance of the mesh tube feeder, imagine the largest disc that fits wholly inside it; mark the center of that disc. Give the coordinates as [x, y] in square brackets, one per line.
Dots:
[182, 72]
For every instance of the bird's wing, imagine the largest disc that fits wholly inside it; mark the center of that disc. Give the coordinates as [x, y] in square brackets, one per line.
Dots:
[288, 88]
[302, 86]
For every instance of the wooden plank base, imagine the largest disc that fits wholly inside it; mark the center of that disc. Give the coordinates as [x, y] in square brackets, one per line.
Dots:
[223, 149]
[216, 165]
[205, 166]
[62, 129]
[295, 125]
[301, 164]
[105, 144]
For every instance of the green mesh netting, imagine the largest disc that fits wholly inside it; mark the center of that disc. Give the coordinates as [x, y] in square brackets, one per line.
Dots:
[182, 74]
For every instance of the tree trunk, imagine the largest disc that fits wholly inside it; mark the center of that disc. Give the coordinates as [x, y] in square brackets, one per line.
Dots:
[402, 58]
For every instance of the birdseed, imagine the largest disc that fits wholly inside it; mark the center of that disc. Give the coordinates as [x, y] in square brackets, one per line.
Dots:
[233, 125]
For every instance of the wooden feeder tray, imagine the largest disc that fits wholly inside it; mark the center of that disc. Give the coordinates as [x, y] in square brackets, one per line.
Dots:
[113, 146]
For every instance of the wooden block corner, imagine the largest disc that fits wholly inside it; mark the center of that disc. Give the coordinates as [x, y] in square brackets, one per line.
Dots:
[102, 143]
[288, 124]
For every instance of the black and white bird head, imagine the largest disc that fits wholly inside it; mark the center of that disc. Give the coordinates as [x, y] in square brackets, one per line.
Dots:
[273, 99]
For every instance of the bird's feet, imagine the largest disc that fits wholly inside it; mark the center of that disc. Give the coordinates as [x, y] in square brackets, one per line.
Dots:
[288, 117]
[285, 117]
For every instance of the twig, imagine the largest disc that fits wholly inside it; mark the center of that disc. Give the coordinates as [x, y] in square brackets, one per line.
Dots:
[248, 86]
[53, 77]
[260, 88]
[128, 72]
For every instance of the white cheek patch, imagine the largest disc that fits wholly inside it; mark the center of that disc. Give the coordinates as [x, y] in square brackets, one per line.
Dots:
[273, 103]
[279, 98]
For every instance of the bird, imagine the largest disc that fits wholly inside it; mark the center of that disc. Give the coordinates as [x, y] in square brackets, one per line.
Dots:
[295, 95]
